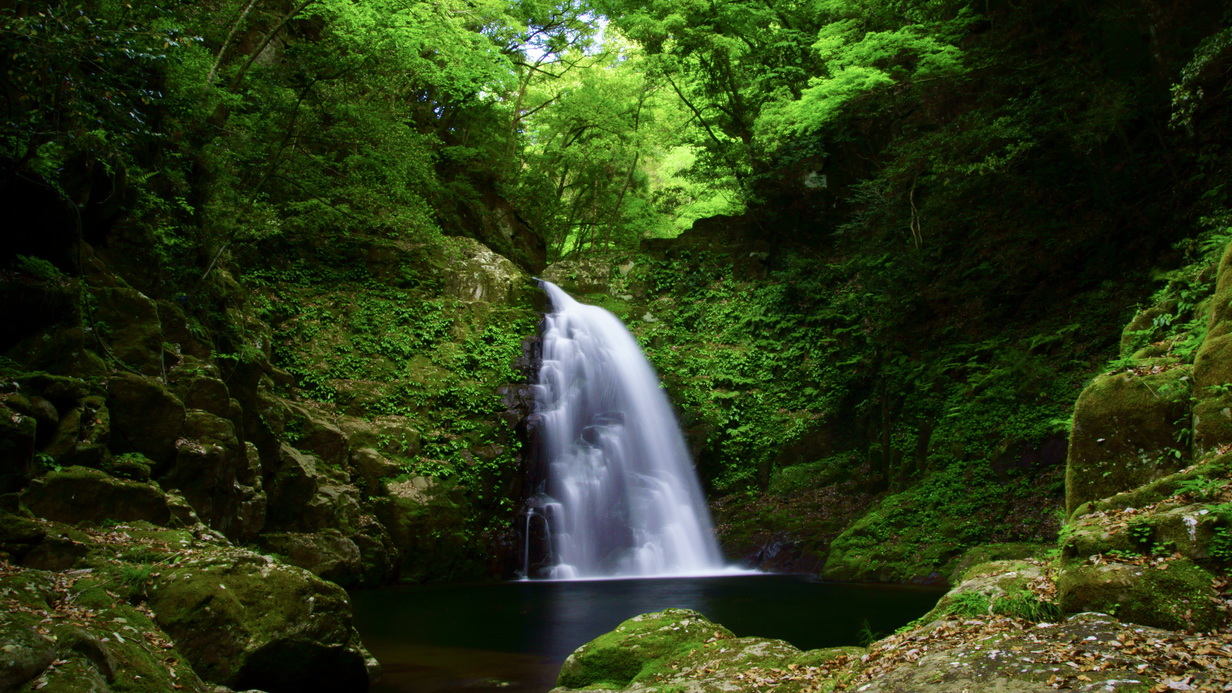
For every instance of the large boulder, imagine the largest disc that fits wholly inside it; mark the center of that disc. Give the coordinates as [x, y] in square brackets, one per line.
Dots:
[210, 470]
[81, 494]
[475, 273]
[1174, 594]
[82, 435]
[315, 433]
[132, 329]
[371, 468]
[206, 393]
[327, 554]
[145, 416]
[1129, 429]
[245, 621]
[17, 435]
[680, 650]
[618, 658]
[304, 496]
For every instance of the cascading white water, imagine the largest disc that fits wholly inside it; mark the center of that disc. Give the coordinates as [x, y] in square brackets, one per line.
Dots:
[624, 498]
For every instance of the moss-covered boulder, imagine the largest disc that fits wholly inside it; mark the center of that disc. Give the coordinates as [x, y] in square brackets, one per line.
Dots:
[475, 273]
[205, 393]
[313, 431]
[18, 534]
[214, 474]
[25, 653]
[1128, 430]
[128, 323]
[17, 435]
[1015, 588]
[246, 621]
[306, 495]
[145, 416]
[327, 554]
[1165, 593]
[680, 650]
[81, 494]
[637, 648]
[427, 523]
[372, 468]
[70, 632]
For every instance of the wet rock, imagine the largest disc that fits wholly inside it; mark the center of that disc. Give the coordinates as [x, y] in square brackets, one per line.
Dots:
[80, 494]
[145, 416]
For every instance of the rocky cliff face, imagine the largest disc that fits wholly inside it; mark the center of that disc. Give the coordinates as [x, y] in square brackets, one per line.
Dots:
[212, 503]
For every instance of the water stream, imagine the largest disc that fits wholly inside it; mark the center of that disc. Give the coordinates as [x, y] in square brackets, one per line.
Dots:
[621, 498]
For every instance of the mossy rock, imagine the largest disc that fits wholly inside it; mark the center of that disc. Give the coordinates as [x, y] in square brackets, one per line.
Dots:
[145, 416]
[1161, 488]
[18, 535]
[1212, 423]
[582, 275]
[25, 653]
[985, 587]
[105, 645]
[1125, 433]
[679, 650]
[81, 494]
[17, 436]
[305, 497]
[247, 622]
[474, 273]
[956, 569]
[1174, 594]
[129, 322]
[1142, 329]
[635, 648]
[327, 554]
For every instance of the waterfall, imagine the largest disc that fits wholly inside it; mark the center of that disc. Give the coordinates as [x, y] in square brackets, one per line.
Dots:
[623, 497]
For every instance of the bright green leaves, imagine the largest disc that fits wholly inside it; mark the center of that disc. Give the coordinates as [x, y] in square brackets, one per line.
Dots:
[435, 43]
[859, 61]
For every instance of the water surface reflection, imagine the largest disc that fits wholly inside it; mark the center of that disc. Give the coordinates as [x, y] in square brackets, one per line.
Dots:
[470, 637]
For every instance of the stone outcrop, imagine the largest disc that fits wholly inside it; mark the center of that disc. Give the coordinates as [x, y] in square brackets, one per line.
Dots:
[145, 416]
[80, 494]
[216, 475]
[246, 621]
[475, 273]
[1127, 431]
[137, 607]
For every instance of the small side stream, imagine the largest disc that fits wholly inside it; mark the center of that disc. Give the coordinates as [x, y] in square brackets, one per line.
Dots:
[514, 636]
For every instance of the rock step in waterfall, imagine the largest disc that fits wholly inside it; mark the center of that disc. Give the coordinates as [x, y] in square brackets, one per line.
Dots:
[621, 498]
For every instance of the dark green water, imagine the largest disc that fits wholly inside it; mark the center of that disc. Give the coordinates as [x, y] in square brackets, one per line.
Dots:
[474, 637]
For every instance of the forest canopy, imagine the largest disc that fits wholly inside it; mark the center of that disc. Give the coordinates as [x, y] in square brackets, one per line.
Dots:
[602, 123]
